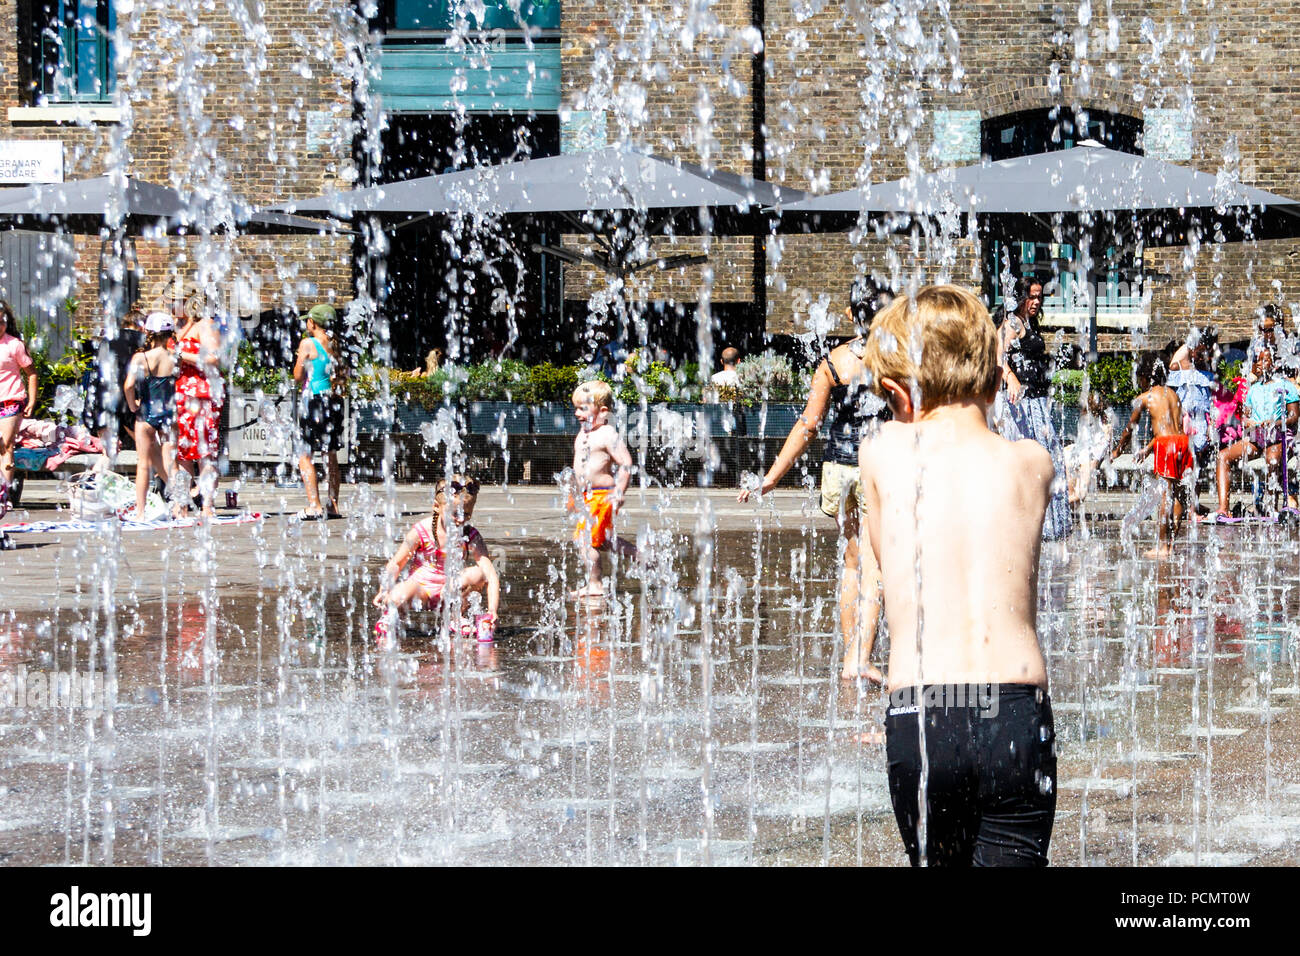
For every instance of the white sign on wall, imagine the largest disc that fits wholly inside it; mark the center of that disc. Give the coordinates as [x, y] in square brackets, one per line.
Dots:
[266, 431]
[31, 161]
[957, 133]
[1167, 134]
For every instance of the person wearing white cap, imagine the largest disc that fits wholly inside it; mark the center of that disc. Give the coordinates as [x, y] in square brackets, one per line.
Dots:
[150, 392]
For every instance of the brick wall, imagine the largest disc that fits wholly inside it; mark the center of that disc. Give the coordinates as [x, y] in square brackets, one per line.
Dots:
[692, 101]
[1238, 71]
[841, 109]
[206, 105]
[676, 78]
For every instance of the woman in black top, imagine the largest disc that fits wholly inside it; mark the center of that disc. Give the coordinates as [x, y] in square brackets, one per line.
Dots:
[1027, 379]
[840, 394]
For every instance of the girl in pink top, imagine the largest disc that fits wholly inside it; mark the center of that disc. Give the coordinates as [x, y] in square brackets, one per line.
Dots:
[423, 555]
[15, 400]
[1227, 404]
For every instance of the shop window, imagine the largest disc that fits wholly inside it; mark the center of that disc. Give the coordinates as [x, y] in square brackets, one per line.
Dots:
[440, 15]
[517, 69]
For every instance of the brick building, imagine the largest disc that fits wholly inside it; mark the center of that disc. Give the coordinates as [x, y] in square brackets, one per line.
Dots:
[188, 98]
[293, 98]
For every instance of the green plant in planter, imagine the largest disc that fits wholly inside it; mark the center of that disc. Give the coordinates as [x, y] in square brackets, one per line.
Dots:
[1229, 371]
[67, 370]
[1067, 386]
[506, 380]
[431, 391]
[1111, 377]
[250, 374]
[689, 386]
[554, 383]
[654, 380]
[411, 387]
[766, 377]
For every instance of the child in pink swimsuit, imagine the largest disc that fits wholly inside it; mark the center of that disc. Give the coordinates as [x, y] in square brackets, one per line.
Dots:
[1228, 398]
[17, 396]
[425, 549]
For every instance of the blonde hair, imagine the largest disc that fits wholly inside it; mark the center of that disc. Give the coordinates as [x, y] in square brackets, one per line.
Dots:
[598, 392]
[957, 341]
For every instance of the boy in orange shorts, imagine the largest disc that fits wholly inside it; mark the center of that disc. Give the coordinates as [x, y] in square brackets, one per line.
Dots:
[596, 451]
[1173, 451]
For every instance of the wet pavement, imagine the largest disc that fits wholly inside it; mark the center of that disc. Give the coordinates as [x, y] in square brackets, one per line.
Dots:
[696, 716]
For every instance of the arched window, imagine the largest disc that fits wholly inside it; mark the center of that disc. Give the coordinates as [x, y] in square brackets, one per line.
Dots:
[1040, 131]
[1120, 303]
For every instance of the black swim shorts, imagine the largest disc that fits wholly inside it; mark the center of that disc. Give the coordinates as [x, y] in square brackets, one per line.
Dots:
[320, 421]
[991, 783]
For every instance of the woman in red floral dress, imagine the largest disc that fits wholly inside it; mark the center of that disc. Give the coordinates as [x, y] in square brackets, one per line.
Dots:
[200, 394]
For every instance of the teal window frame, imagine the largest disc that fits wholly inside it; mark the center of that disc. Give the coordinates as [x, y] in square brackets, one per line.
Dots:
[440, 15]
[73, 54]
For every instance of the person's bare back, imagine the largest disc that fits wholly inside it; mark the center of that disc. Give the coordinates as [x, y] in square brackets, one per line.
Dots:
[1161, 403]
[1173, 454]
[955, 515]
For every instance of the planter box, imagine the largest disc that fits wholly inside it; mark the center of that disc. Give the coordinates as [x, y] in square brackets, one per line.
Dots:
[674, 421]
[370, 420]
[485, 418]
[266, 431]
[781, 417]
[1066, 419]
[475, 418]
[409, 418]
[554, 418]
[718, 421]
[536, 459]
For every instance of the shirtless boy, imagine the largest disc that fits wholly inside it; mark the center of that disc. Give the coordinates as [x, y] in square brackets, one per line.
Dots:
[1172, 447]
[955, 514]
[596, 450]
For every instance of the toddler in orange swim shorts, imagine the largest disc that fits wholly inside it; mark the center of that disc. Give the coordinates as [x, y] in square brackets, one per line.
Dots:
[597, 451]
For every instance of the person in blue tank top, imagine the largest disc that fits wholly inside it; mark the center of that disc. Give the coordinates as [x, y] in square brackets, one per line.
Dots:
[840, 395]
[320, 411]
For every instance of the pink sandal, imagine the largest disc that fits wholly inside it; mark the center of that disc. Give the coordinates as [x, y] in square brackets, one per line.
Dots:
[384, 630]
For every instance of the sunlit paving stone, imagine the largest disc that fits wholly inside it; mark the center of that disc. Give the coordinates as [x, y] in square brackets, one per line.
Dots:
[606, 744]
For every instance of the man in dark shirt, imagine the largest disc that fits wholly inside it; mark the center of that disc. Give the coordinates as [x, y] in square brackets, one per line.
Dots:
[105, 412]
